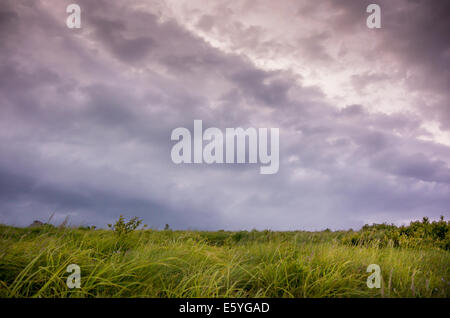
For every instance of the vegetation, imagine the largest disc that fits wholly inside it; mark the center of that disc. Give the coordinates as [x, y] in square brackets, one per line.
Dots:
[128, 262]
[122, 228]
[418, 234]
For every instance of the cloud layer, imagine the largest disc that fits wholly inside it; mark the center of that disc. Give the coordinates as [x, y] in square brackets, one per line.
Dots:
[86, 115]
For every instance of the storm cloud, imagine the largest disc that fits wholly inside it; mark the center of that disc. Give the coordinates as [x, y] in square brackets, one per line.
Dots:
[86, 114]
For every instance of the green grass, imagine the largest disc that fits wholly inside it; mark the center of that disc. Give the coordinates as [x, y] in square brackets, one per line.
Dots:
[149, 263]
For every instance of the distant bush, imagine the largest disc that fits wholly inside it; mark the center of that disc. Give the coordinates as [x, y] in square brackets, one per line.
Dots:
[121, 227]
[417, 234]
[87, 228]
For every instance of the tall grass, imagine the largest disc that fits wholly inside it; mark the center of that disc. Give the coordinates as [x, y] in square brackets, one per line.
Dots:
[149, 263]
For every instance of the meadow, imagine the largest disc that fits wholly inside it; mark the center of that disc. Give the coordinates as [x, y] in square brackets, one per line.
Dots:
[135, 262]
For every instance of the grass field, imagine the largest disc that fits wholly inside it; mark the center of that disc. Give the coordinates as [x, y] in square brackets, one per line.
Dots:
[151, 263]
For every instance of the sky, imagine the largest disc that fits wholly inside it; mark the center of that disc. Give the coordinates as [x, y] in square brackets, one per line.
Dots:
[86, 114]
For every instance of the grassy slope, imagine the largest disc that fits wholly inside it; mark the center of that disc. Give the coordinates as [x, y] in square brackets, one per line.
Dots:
[150, 263]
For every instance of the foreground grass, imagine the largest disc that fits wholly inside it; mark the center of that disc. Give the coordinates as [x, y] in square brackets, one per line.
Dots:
[148, 263]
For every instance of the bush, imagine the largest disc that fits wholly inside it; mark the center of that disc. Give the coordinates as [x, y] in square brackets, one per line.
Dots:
[122, 228]
[416, 234]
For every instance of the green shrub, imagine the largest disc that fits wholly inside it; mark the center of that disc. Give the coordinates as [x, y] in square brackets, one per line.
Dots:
[417, 234]
[122, 228]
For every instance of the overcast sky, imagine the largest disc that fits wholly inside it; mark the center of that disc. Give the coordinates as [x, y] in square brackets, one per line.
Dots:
[86, 114]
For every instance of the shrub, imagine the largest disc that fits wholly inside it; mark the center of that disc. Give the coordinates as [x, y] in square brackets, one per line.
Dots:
[122, 228]
[417, 234]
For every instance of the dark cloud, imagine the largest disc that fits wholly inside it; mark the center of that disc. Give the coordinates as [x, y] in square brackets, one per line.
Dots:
[415, 34]
[262, 87]
[110, 32]
[417, 166]
[86, 118]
